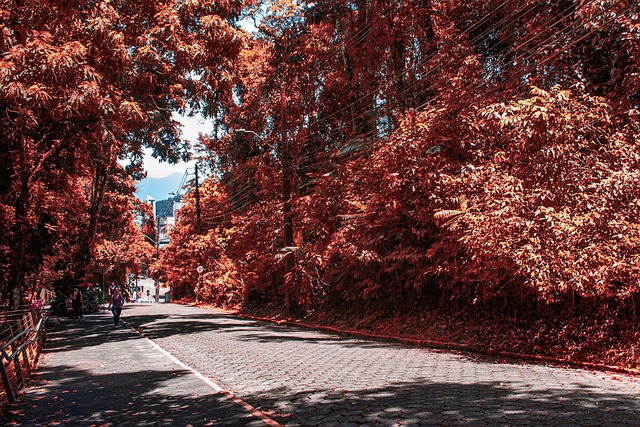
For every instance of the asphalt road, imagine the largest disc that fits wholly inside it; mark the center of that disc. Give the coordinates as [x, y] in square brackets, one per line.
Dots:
[168, 363]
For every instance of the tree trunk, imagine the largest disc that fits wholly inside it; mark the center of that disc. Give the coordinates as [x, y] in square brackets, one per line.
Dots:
[100, 181]
[21, 207]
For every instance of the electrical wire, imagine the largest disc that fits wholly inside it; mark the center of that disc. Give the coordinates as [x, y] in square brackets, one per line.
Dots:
[539, 48]
[373, 132]
[486, 18]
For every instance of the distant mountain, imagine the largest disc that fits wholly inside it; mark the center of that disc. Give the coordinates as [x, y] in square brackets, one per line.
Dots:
[164, 208]
[159, 188]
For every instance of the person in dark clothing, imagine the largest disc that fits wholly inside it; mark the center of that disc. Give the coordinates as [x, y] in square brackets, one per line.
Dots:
[76, 301]
[117, 301]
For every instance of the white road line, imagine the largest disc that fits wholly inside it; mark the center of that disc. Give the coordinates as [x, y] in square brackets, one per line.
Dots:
[211, 384]
[175, 360]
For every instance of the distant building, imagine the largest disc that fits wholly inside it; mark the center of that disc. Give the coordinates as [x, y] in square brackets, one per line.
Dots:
[165, 229]
[176, 210]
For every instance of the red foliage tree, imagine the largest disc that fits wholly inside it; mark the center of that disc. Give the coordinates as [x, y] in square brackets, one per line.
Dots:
[83, 85]
[455, 153]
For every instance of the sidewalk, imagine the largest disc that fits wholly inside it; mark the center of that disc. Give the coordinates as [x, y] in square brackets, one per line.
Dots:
[92, 374]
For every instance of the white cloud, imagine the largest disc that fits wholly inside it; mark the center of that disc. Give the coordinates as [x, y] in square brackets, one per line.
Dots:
[192, 127]
[156, 169]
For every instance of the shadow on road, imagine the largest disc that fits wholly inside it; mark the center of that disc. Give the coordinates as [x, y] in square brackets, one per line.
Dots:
[84, 398]
[97, 328]
[426, 404]
[422, 401]
[94, 375]
[157, 326]
[454, 398]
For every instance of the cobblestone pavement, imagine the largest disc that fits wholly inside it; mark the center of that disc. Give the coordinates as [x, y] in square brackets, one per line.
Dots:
[92, 374]
[300, 377]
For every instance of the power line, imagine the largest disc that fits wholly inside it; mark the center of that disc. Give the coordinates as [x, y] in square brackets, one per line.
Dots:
[423, 61]
[366, 96]
[549, 40]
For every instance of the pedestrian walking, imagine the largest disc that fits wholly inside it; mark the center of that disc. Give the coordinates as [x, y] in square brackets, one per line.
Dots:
[117, 301]
[110, 291]
[76, 303]
[69, 304]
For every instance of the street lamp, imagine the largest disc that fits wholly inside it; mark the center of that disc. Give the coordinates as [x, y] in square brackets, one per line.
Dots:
[260, 137]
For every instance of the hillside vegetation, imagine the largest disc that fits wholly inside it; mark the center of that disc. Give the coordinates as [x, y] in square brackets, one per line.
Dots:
[459, 171]
[454, 171]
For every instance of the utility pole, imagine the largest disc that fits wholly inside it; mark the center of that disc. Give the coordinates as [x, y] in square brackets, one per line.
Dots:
[197, 203]
[157, 279]
[286, 199]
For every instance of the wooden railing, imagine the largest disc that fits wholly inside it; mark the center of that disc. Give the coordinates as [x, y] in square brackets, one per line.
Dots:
[22, 335]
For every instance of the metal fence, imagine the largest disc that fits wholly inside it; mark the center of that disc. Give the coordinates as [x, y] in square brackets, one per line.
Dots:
[22, 336]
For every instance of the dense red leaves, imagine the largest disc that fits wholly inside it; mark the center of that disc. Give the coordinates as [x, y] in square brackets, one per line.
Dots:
[82, 87]
[455, 154]
[543, 205]
[458, 155]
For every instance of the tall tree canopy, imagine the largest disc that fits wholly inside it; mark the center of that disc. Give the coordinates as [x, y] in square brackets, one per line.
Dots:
[445, 155]
[455, 153]
[84, 85]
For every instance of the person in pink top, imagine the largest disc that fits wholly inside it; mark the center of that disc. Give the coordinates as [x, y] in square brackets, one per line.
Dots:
[117, 301]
